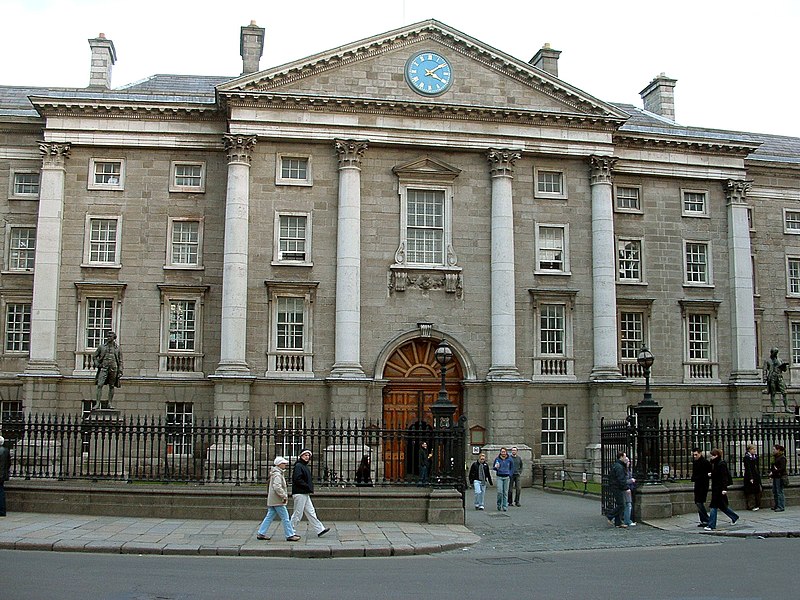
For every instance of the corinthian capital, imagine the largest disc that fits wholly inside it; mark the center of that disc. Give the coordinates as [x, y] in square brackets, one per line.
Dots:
[501, 161]
[602, 168]
[736, 191]
[239, 147]
[350, 152]
[54, 154]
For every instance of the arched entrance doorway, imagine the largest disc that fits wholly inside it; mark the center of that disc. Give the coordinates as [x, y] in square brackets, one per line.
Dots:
[414, 382]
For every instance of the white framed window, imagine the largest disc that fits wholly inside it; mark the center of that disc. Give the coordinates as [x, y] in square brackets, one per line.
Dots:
[24, 184]
[552, 249]
[629, 260]
[697, 263]
[181, 351]
[17, 325]
[553, 337]
[791, 221]
[549, 183]
[793, 275]
[290, 351]
[700, 339]
[289, 427]
[631, 335]
[21, 245]
[10, 409]
[293, 169]
[185, 244]
[292, 239]
[187, 176]
[102, 245]
[694, 203]
[702, 418]
[794, 339]
[180, 428]
[554, 430]
[106, 174]
[628, 198]
[99, 310]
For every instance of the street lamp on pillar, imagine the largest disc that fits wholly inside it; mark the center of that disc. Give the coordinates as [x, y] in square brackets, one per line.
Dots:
[646, 360]
[443, 409]
[648, 442]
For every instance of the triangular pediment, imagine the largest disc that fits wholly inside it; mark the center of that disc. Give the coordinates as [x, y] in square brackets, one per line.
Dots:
[370, 75]
[426, 168]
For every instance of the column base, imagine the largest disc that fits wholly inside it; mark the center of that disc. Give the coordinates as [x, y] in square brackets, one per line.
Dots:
[347, 371]
[606, 374]
[503, 374]
[233, 369]
[746, 376]
[42, 369]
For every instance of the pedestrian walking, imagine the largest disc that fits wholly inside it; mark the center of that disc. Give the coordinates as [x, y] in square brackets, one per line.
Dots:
[752, 479]
[503, 467]
[5, 465]
[425, 458]
[479, 476]
[364, 472]
[720, 480]
[514, 481]
[302, 488]
[701, 474]
[629, 491]
[277, 498]
[618, 483]
[777, 471]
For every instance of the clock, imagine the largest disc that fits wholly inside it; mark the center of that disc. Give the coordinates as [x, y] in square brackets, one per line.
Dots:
[428, 73]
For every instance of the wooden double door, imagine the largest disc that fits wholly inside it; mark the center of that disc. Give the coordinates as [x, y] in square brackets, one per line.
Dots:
[414, 383]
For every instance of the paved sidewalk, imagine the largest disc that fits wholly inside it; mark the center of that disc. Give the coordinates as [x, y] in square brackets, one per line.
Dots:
[760, 523]
[128, 535]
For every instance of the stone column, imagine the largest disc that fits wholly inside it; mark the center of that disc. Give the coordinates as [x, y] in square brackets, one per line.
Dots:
[233, 327]
[604, 293]
[47, 266]
[504, 329]
[743, 334]
[347, 354]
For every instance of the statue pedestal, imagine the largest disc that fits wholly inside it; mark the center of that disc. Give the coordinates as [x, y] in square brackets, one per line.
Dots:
[103, 444]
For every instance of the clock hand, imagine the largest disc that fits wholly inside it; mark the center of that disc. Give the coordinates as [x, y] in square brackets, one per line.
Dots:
[430, 72]
[435, 76]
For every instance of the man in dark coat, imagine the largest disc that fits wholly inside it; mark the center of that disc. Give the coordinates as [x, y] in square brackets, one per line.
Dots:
[720, 480]
[302, 488]
[701, 471]
[5, 464]
[425, 457]
[618, 483]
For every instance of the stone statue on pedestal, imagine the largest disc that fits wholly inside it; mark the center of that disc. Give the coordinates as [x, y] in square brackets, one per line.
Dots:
[107, 360]
[773, 377]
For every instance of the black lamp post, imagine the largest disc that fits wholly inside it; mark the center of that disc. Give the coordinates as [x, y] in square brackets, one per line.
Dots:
[647, 411]
[443, 409]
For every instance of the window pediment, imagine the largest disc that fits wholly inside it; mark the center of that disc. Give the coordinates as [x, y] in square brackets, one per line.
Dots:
[426, 169]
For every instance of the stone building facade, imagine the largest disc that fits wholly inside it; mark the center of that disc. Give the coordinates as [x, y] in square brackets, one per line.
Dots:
[293, 243]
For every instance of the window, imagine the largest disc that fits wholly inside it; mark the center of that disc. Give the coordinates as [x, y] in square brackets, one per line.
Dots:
[425, 227]
[702, 418]
[794, 332]
[184, 243]
[293, 170]
[552, 354]
[106, 174]
[102, 242]
[700, 323]
[18, 327]
[289, 427]
[99, 306]
[793, 275]
[290, 347]
[695, 203]
[629, 257]
[180, 428]
[24, 185]
[10, 409]
[791, 221]
[628, 198]
[631, 335]
[554, 430]
[552, 243]
[549, 184]
[293, 238]
[21, 244]
[698, 263]
[181, 348]
[187, 177]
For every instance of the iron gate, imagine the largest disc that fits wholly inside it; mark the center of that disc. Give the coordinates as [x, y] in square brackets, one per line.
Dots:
[615, 436]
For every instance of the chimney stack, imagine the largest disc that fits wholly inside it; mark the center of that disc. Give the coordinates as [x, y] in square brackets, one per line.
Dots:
[659, 96]
[251, 47]
[546, 59]
[103, 58]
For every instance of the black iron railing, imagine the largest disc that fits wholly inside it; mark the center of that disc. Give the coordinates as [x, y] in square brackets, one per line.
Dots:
[231, 451]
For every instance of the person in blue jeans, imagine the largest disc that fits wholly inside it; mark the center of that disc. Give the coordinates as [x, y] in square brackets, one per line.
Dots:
[504, 467]
[277, 498]
[777, 471]
[479, 476]
[720, 480]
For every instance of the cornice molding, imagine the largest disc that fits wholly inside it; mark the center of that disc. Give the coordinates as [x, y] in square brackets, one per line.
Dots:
[634, 140]
[63, 107]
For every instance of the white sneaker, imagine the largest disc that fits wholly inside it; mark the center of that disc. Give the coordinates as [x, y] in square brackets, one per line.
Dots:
[631, 524]
[707, 529]
[756, 508]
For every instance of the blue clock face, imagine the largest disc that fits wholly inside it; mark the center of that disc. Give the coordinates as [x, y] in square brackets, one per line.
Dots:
[428, 73]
